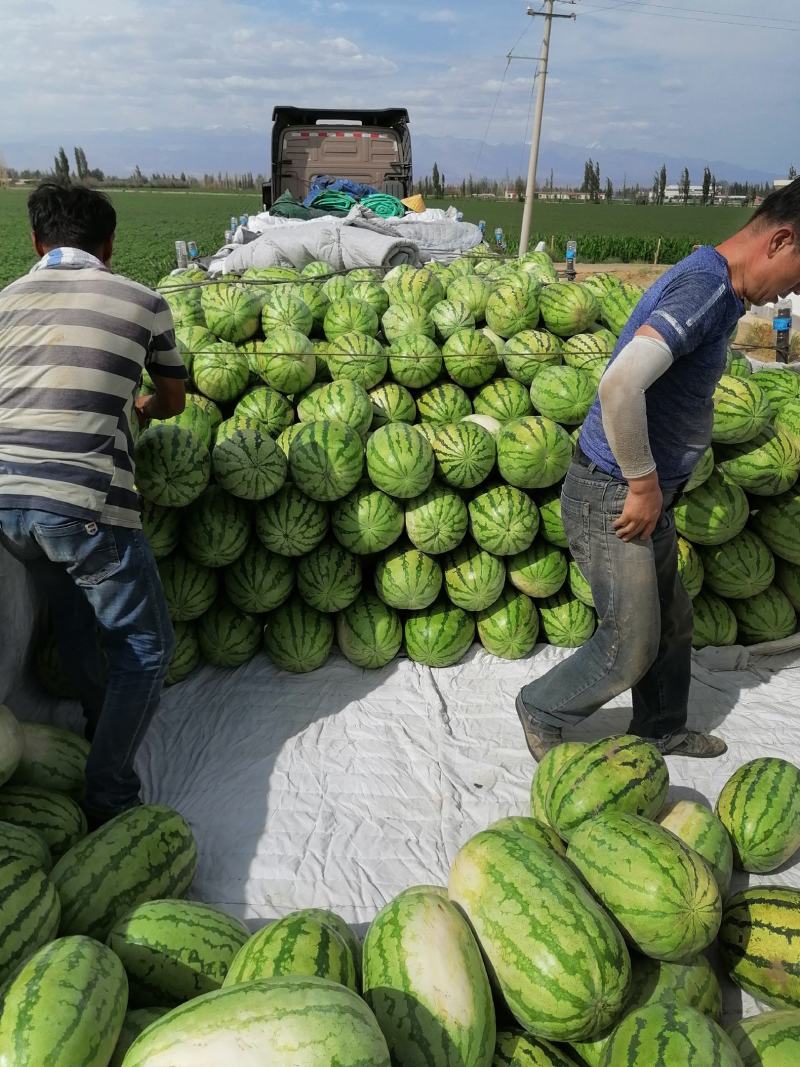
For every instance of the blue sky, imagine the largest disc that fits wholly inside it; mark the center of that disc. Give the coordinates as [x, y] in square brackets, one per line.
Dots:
[639, 74]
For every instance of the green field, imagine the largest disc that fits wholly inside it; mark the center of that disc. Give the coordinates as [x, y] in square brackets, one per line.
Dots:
[151, 222]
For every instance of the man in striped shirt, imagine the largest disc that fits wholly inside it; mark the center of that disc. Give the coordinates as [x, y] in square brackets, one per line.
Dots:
[74, 339]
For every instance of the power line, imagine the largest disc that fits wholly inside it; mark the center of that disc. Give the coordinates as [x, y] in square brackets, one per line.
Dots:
[641, 7]
[705, 11]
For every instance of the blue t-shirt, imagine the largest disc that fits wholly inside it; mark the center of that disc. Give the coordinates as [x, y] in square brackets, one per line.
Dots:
[694, 308]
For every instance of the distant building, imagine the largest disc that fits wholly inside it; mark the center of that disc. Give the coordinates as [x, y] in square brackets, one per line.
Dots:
[781, 183]
[673, 194]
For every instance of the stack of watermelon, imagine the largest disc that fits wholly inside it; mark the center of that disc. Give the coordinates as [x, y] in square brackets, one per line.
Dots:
[376, 461]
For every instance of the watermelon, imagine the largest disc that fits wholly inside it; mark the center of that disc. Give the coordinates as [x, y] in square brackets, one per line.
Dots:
[551, 525]
[329, 577]
[143, 854]
[699, 828]
[189, 588]
[391, 403]
[503, 399]
[714, 622]
[284, 310]
[348, 315]
[190, 340]
[135, 1021]
[51, 758]
[426, 983]
[568, 308]
[771, 1039]
[787, 419]
[317, 268]
[399, 461]
[558, 959]
[300, 945]
[436, 520]
[469, 358]
[175, 950]
[473, 579]
[315, 300]
[787, 578]
[739, 568]
[760, 808]
[221, 372]
[187, 656]
[216, 528]
[268, 408]
[767, 616]
[703, 470]
[503, 520]
[339, 926]
[26, 844]
[690, 566]
[29, 910]
[778, 384]
[162, 528]
[194, 418]
[358, 358]
[739, 367]
[290, 523]
[326, 460]
[407, 579]
[407, 285]
[445, 402]
[533, 453]
[741, 410]
[369, 633]
[259, 580]
[472, 291]
[232, 312]
[285, 438]
[448, 316]
[663, 1035]
[536, 831]
[486, 421]
[661, 893]
[585, 349]
[273, 276]
[617, 306]
[402, 320]
[172, 465]
[340, 401]
[186, 307]
[513, 307]
[414, 360]
[563, 394]
[623, 775]
[760, 943]
[765, 466]
[566, 621]
[298, 638]
[464, 453]
[713, 513]
[65, 1006]
[438, 636]
[371, 293]
[579, 586]
[336, 287]
[367, 521]
[601, 283]
[776, 522]
[55, 816]
[248, 464]
[529, 352]
[286, 361]
[547, 771]
[508, 628]
[515, 1048]
[227, 636]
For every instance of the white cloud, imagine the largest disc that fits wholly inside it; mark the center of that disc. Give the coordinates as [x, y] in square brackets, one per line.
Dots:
[443, 16]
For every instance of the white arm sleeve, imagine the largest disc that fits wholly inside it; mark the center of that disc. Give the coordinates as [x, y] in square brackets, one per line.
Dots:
[623, 406]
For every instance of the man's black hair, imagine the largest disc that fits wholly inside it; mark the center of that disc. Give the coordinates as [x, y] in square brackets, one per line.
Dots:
[74, 216]
[782, 205]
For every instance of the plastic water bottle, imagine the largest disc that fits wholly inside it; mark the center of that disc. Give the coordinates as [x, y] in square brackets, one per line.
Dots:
[191, 248]
[181, 254]
[498, 237]
[459, 216]
[229, 237]
[482, 225]
[234, 223]
[243, 220]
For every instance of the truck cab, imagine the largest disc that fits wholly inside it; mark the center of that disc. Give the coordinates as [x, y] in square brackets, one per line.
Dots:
[373, 147]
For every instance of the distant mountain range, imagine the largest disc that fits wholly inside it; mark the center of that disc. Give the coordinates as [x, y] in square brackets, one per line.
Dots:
[200, 151]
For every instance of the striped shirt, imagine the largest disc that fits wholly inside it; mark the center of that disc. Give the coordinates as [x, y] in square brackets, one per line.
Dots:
[74, 339]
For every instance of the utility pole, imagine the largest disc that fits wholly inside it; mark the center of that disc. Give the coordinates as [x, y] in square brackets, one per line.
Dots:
[541, 74]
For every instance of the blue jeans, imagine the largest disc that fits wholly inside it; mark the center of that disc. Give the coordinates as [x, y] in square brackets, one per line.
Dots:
[101, 580]
[644, 638]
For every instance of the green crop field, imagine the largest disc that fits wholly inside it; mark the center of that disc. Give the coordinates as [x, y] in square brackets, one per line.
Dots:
[151, 222]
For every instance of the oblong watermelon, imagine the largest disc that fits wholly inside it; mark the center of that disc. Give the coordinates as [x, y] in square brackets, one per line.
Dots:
[52, 758]
[299, 944]
[771, 1039]
[369, 633]
[29, 910]
[547, 771]
[699, 828]
[664, 1035]
[760, 808]
[760, 943]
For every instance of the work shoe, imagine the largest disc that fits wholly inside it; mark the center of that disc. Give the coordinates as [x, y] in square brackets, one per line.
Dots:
[691, 743]
[539, 737]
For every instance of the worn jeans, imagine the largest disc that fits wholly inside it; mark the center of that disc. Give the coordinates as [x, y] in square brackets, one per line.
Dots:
[99, 579]
[644, 638]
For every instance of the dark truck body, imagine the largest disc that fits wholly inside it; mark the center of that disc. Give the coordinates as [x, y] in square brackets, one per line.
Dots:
[369, 146]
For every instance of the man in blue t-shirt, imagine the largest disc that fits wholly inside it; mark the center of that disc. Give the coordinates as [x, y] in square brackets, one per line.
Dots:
[640, 442]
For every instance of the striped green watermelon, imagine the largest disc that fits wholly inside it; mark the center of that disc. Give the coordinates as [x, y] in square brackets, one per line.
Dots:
[29, 910]
[508, 628]
[267, 407]
[566, 621]
[414, 360]
[248, 464]
[445, 402]
[699, 828]
[739, 568]
[299, 945]
[713, 513]
[356, 357]
[436, 520]
[216, 528]
[367, 521]
[787, 578]
[690, 566]
[623, 775]
[190, 340]
[533, 453]
[259, 580]
[787, 419]
[267, 1021]
[547, 771]
[568, 308]
[221, 373]
[227, 636]
[329, 577]
[337, 286]
[284, 310]
[579, 586]
[760, 943]
[739, 366]
[663, 1035]
[285, 437]
[399, 461]
[339, 926]
[551, 525]
[407, 319]
[515, 1048]
[232, 312]
[134, 1023]
[558, 958]
[175, 950]
[407, 579]
[513, 306]
[194, 418]
[528, 352]
[702, 471]
[563, 394]
[426, 983]
[369, 633]
[391, 403]
[52, 758]
[228, 427]
[714, 622]
[601, 283]
[317, 268]
[286, 361]
[290, 523]
[372, 293]
[771, 1039]
[539, 571]
[448, 316]
[55, 816]
[472, 291]
[503, 399]
[64, 1007]
[438, 636]
[617, 306]
[187, 656]
[144, 854]
[25, 843]
[298, 638]
[315, 300]
[348, 315]
[189, 588]
[326, 460]
[186, 307]
[469, 358]
[473, 579]
[778, 384]
[760, 808]
[464, 453]
[172, 466]
[585, 349]
[741, 410]
[408, 285]
[766, 466]
[661, 893]
[777, 521]
[536, 831]
[162, 528]
[503, 520]
[767, 616]
[340, 401]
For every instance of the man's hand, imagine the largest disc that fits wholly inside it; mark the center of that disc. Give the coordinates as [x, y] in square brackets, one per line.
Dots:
[142, 405]
[642, 508]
